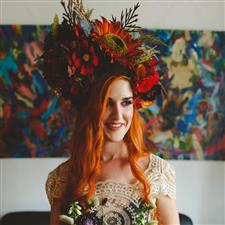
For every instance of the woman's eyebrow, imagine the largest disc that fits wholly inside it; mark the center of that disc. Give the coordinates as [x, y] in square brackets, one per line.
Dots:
[124, 99]
[128, 98]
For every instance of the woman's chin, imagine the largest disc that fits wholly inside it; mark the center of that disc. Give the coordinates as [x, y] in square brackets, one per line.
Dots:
[114, 138]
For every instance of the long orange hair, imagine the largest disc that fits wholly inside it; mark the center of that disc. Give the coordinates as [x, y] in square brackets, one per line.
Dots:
[87, 142]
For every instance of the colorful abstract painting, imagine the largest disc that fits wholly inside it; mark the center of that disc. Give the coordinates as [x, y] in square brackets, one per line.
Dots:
[189, 123]
[33, 122]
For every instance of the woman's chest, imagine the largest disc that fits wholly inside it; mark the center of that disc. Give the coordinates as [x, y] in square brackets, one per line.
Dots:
[117, 170]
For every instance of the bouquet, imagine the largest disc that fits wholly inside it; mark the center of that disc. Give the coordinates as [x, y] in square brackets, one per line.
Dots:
[77, 215]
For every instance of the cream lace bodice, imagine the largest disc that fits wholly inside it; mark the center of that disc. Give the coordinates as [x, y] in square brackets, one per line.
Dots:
[121, 201]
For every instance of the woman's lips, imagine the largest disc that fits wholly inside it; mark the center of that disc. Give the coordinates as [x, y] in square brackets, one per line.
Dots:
[114, 126]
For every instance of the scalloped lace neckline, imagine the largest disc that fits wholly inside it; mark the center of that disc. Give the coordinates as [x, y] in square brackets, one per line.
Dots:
[112, 181]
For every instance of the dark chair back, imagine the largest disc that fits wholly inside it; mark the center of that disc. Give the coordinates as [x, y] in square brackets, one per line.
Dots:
[185, 220]
[26, 218]
[43, 218]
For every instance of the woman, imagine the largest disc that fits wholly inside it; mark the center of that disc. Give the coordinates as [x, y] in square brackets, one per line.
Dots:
[110, 178]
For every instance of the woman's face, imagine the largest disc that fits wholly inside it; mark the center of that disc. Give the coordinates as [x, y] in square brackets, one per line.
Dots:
[119, 111]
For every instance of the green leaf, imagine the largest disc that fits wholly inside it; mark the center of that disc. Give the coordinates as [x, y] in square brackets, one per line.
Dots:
[88, 13]
[55, 24]
[153, 222]
[96, 201]
[152, 39]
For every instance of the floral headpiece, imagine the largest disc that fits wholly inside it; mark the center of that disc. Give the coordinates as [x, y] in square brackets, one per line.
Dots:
[79, 50]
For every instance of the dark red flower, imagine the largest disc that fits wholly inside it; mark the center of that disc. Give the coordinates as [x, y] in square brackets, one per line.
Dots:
[141, 71]
[146, 68]
[151, 65]
[85, 58]
[74, 89]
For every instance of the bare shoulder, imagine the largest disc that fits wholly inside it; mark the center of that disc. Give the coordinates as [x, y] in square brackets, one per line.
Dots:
[144, 161]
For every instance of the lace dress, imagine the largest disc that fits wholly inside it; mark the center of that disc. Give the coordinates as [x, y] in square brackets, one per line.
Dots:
[120, 202]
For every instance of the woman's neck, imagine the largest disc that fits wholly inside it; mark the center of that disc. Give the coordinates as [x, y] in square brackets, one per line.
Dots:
[114, 150]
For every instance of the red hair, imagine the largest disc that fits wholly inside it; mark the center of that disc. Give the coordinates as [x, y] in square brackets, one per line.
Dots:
[87, 142]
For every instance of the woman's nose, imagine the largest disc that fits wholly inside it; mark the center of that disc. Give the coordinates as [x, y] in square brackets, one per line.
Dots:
[117, 111]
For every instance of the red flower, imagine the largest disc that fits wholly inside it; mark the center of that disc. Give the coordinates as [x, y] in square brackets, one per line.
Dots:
[147, 83]
[151, 65]
[146, 68]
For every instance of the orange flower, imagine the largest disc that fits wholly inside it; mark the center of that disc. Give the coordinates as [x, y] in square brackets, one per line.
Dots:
[140, 103]
[116, 41]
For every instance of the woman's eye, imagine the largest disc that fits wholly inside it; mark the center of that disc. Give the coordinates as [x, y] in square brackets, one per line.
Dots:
[110, 102]
[127, 103]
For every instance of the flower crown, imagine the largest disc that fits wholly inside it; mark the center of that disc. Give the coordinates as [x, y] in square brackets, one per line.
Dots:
[79, 51]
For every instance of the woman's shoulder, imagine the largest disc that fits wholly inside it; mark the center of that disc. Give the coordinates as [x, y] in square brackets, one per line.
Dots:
[60, 171]
[158, 164]
[161, 174]
[57, 180]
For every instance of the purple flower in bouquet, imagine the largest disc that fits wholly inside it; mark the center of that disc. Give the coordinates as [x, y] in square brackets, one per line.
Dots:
[89, 219]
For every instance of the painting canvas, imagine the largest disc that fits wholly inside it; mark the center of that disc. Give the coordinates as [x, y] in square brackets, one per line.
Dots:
[32, 119]
[190, 122]
[187, 123]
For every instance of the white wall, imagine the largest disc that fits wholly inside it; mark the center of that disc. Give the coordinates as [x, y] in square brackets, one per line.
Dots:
[181, 14]
[200, 184]
[200, 187]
